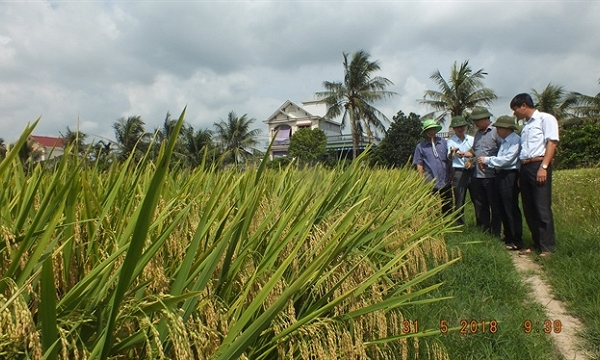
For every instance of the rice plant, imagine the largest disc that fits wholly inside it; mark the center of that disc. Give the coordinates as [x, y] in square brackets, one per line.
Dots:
[140, 261]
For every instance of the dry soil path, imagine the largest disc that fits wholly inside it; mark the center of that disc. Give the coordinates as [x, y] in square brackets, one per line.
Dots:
[567, 342]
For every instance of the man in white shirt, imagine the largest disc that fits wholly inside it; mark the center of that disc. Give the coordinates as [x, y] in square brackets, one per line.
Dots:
[462, 167]
[539, 139]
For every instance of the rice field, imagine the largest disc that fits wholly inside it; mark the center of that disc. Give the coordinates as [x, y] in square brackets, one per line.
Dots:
[147, 261]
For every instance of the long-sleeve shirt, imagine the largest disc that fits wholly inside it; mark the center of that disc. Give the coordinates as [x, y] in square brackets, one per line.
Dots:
[462, 145]
[508, 154]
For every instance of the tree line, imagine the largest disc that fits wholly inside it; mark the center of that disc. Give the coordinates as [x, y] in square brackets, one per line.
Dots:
[233, 141]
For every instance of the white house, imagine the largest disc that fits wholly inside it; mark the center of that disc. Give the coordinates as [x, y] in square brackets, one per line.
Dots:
[47, 147]
[290, 117]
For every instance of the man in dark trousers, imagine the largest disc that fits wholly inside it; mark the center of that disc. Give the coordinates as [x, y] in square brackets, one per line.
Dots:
[506, 165]
[483, 187]
[539, 139]
[462, 167]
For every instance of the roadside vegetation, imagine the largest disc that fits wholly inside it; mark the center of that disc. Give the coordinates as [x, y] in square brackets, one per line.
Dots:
[484, 285]
[574, 272]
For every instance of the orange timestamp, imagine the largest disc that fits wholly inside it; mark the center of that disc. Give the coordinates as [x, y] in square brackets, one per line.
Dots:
[410, 326]
[472, 326]
[547, 326]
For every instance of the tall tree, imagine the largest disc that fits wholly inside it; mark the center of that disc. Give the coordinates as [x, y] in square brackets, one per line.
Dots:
[556, 101]
[398, 146]
[353, 98]
[236, 138]
[75, 138]
[462, 91]
[102, 154]
[196, 144]
[163, 134]
[587, 107]
[131, 137]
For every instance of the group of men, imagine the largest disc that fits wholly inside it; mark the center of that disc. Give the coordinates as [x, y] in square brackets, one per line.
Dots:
[495, 165]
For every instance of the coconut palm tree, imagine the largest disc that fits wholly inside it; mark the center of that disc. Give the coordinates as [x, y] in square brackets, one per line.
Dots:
[163, 134]
[353, 98]
[77, 138]
[196, 143]
[587, 107]
[131, 136]
[556, 101]
[462, 91]
[236, 138]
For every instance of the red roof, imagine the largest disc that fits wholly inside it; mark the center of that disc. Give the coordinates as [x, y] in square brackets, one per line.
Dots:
[49, 142]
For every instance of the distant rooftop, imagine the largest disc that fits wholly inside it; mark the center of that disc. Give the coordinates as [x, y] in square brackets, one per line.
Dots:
[49, 142]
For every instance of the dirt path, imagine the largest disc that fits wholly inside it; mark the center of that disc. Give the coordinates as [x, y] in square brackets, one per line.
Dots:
[567, 342]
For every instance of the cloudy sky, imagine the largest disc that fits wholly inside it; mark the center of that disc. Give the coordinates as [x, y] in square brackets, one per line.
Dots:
[93, 62]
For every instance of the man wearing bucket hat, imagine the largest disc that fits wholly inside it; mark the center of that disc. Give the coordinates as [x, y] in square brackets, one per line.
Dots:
[462, 167]
[539, 139]
[431, 159]
[506, 165]
[483, 187]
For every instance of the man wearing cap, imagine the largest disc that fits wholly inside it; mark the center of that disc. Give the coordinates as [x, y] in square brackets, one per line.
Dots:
[506, 165]
[462, 167]
[539, 139]
[431, 159]
[483, 187]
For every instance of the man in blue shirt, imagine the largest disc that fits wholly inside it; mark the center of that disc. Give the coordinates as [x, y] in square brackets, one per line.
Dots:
[506, 166]
[431, 159]
[462, 167]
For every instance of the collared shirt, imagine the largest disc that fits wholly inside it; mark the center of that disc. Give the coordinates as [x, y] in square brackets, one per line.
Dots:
[435, 163]
[538, 130]
[486, 143]
[508, 154]
[462, 145]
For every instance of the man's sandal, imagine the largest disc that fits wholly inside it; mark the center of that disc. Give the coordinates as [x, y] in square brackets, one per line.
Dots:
[527, 251]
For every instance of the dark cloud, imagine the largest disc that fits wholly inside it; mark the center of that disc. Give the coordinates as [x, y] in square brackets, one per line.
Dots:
[98, 61]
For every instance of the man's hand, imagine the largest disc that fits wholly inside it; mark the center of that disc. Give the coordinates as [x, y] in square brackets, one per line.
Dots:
[542, 176]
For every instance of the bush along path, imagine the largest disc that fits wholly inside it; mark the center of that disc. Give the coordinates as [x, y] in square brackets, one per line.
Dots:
[562, 327]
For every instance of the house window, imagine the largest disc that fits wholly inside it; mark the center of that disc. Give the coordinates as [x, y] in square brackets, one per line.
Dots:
[283, 134]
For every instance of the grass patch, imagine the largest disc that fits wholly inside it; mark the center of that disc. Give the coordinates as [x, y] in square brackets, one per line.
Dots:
[485, 285]
[574, 271]
[486, 288]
